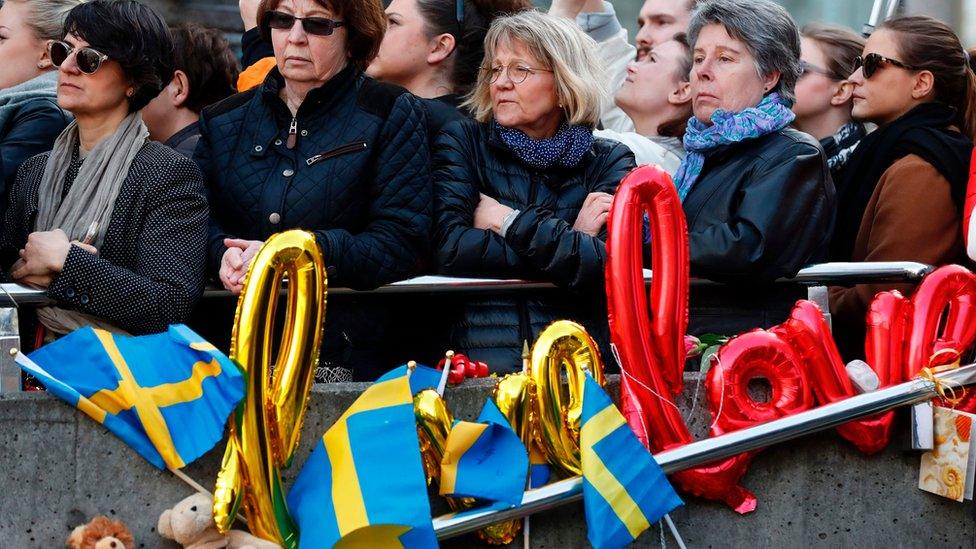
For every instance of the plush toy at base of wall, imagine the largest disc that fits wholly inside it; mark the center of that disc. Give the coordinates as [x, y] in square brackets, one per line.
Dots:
[190, 523]
[101, 533]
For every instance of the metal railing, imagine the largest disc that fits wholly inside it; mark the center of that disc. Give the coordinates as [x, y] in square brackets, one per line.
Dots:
[815, 277]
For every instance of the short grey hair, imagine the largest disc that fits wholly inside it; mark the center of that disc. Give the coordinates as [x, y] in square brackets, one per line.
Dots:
[46, 19]
[766, 28]
[558, 43]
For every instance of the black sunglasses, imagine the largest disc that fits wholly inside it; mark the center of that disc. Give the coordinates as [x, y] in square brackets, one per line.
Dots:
[874, 61]
[88, 59]
[319, 26]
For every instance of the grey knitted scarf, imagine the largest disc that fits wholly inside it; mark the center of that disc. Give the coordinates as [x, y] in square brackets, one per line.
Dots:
[91, 199]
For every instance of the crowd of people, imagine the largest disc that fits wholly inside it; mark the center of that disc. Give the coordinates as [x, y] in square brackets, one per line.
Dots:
[479, 138]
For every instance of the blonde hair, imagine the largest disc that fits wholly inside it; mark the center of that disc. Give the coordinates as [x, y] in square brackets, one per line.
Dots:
[46, 19]
[563, 48]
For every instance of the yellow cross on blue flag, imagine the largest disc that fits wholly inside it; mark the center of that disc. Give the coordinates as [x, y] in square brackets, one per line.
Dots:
[624, 489]
[166, 395]
[485, 459]
[364, 484]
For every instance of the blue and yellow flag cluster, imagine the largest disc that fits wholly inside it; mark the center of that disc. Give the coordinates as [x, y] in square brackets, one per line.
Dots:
[364, 483]
[624, 489]
[166, 395]
[485, 459]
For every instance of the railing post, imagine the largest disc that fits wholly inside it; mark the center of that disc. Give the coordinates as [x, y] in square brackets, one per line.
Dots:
[9, 341]
[819, 295]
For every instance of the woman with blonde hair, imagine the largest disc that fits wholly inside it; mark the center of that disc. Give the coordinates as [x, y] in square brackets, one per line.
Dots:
[30, 118]
[524, 191]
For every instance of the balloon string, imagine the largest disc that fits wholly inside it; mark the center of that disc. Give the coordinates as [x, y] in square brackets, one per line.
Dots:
[721, 400]
[652, 391]
[694, 399]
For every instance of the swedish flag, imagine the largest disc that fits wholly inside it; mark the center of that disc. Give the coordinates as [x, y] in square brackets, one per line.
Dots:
[624, 489]
[166, 395]
[364, 483]
[485, 459]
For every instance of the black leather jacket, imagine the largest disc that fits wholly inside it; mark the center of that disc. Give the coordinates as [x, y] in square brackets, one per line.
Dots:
[761, 209]
[540, 244]
[357, 174]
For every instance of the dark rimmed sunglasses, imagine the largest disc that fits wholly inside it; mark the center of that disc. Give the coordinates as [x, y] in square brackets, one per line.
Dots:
[319, 26]
[874, 61]
[88, 59]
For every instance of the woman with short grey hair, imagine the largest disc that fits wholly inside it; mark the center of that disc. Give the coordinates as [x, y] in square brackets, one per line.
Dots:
[524, 191]
[757, 194]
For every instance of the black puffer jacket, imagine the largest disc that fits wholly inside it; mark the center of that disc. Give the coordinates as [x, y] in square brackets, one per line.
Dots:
[470, 159]
[761, 209]
[357, 174]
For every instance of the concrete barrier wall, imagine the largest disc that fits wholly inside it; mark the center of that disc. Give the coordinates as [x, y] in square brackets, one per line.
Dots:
[58, 469]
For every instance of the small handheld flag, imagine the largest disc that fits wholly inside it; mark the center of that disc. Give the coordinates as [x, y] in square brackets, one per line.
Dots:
[364, 483]
[624, 489]
[485, 459]
[166, 395]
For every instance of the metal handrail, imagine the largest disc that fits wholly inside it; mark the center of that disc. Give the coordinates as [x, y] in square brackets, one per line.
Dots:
[12, 295]
[712, 449]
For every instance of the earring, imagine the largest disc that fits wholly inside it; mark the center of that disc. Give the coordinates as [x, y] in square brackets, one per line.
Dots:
[40, 65]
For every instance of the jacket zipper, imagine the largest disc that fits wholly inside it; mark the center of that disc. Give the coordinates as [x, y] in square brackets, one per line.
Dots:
[338, 151]
[292, 133]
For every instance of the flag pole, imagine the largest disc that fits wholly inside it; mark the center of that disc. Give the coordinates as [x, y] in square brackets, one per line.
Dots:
[711, 449]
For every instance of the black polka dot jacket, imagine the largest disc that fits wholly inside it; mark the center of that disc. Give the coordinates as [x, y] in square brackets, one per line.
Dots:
[149, 271]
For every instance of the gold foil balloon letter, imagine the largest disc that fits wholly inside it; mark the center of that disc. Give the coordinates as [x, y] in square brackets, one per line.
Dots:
[563, 345]
[266, 427]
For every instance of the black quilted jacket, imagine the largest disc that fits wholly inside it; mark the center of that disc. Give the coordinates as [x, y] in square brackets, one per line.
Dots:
[470, 159]
[353, 167]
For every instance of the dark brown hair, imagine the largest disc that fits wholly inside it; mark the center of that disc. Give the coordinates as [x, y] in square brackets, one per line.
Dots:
[839, 45]
[929, 44]
[208, 62]
[676, 126]
[441, 17]
[365, 25]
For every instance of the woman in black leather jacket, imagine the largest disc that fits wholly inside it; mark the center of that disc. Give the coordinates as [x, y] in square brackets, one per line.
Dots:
[319, 146]
[757, 195]
[524, 193]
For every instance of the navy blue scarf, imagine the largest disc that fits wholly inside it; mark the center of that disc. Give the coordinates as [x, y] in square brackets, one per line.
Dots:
[565, 149]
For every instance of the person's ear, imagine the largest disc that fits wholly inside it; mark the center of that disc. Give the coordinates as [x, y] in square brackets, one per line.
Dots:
[44, 62]
[181, 88]
[842, 94]
[680, 95]
[924, 85]
[440, 48]
[770, 81]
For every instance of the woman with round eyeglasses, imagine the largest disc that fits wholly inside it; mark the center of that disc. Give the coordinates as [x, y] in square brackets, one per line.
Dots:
[30, 118]
[112, 225]
[824, 95]
[322, 147]
[903, 192]
[524, 191]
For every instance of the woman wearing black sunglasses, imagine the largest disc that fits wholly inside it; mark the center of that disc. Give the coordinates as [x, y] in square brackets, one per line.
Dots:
[112, 225]
[902, 194]
[322, 147]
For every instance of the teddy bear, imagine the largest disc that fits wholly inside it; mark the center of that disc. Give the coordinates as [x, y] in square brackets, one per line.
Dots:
[190, 523]
[101, 533]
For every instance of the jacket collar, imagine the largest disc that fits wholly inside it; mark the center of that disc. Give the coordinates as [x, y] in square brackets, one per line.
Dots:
[273, 113]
